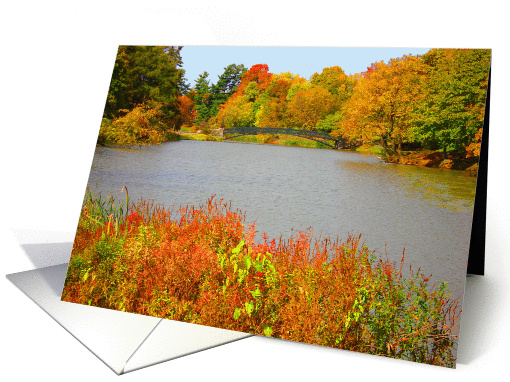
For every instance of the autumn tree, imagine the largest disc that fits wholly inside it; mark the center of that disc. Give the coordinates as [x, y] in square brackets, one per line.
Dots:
[139, 126]
[270, 108]
[187, 112]
[341, 87]
[473, 149]
[336, 82]
[451, 114]
[257, 77]
[252, 84]
[382, 103]
[301, 84]
[308, 106]
[236, 112]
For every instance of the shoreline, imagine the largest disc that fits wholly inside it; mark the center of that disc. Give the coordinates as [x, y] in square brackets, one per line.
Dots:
[419, 158]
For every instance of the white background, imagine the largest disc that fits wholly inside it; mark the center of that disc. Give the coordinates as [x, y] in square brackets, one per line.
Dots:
[56, 61]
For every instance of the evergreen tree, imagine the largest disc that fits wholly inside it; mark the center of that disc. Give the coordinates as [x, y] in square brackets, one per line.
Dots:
[226, 86]
[145, 74]
[202, 97]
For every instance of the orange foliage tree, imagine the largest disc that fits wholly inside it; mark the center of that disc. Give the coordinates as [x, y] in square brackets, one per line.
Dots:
[187, 112]
[382, 102]
[473, 149]
[258, 74]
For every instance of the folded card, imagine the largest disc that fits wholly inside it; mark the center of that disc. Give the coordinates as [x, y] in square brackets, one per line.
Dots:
[305, 194]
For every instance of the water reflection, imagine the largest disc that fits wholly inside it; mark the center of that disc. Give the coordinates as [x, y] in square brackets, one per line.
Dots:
[453, 190]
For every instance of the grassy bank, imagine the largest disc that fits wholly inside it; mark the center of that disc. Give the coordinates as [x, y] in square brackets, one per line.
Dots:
[199, 137]
[171, 136]
[202, 265]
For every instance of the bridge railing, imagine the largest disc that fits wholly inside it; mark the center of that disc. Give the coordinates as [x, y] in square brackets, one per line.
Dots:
[278, 130]
[318, 136]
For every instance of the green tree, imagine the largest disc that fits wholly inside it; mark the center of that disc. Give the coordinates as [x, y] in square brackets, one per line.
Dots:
[330, 122]
[227, 84]
[145, 74]
[202, 97]
[184, 86]
[209, 97]
[118, 93]
[451, 113]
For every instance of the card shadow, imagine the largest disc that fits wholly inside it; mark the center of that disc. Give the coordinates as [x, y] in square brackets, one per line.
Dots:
[478, 311]
[49, 254]
[46, 254]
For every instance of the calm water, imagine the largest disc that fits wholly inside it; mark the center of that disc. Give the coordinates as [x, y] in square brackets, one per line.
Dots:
[426, 211]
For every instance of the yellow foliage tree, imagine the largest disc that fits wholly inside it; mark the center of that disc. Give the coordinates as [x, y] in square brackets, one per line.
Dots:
[308, 106]
[270, 108]
[140, 126]
[335, 81]
[237, 111]
[381, 106]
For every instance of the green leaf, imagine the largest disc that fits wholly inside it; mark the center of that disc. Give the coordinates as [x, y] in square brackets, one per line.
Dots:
[256, 293]
[247, 262]
[237, 313]
[237, 249]
[242, 275]
[267, 330]
[249, 307]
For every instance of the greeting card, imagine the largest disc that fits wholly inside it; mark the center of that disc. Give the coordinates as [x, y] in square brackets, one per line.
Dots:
[319, 195]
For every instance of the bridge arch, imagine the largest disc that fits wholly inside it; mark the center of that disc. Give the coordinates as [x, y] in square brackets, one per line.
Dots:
[317, 136]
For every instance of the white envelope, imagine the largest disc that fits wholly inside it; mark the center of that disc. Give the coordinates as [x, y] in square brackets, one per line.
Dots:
[123, 341]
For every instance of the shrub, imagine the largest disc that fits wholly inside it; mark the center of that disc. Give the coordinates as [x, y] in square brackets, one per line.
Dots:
[202, 265]
[139, 126]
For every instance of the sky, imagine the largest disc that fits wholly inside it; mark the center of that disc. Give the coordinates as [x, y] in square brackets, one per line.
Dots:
[304, 61]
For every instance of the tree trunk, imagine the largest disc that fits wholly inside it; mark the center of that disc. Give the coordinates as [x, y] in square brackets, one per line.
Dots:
[383, 143]
[399, 150]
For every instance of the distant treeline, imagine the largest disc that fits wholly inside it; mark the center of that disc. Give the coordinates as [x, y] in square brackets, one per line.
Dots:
[435, 101]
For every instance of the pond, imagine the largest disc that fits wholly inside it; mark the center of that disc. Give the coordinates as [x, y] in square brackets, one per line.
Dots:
[427, 212]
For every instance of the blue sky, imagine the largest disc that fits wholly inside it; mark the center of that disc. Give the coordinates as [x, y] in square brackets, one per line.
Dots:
[304, 61]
